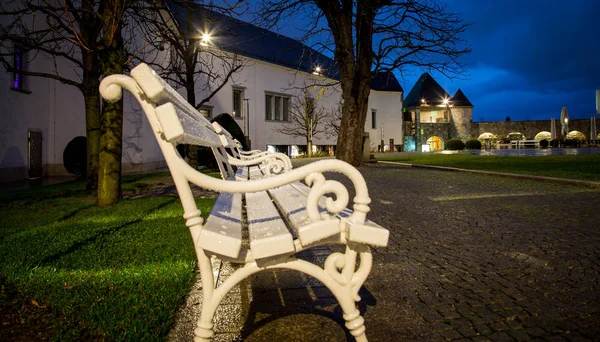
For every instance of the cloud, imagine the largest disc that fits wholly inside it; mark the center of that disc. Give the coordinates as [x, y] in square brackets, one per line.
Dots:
[529, 58]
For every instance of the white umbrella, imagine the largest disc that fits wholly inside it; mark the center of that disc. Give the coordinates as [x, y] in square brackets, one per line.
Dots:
[564, 121]
[593, 128]
[553, 128]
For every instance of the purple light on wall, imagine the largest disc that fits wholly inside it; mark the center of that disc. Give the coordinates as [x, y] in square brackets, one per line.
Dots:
[18, 64]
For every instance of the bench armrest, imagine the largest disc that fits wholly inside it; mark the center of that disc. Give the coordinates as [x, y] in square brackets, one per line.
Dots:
[311, 173]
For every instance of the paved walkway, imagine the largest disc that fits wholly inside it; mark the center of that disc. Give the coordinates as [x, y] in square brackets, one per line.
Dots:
[471, 257]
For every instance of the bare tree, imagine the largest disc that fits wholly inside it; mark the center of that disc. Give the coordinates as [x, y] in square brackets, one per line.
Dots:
[371, 36]
[306, 119]
[334, 119]
[191, 58]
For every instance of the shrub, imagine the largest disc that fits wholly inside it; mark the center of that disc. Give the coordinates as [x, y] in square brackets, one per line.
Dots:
[544, 143]
[473, 144]
[75, 156]
[229, 123]
[455, 144]
[554, 142]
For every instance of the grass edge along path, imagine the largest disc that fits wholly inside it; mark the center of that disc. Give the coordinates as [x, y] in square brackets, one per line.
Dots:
[582, 167]
[74, 271]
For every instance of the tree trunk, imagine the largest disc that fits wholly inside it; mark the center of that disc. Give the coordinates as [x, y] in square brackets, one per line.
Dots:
[112, 60]
[91, 96]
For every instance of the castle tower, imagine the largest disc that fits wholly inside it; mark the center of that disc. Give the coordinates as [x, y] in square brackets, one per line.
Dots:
[461, 116]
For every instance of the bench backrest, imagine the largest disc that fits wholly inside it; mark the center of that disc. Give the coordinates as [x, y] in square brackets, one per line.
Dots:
[180, 121]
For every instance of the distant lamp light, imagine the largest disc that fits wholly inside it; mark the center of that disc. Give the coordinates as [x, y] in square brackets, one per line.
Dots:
[423, 100]
[317, 70]
[446, 101]
[566, 120]
[205, 39]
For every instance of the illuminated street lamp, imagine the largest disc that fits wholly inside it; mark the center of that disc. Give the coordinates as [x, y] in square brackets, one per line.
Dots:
[317, 70]
[205, 39]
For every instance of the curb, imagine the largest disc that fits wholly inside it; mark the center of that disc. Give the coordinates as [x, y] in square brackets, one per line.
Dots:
[592, 184]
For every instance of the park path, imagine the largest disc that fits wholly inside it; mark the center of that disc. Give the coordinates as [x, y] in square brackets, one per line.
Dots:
[471, 258]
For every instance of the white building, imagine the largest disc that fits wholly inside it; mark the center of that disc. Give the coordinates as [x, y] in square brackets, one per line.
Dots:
[38, 116]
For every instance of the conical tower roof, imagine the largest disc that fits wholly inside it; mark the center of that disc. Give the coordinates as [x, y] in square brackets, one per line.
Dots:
[460, 100]
[425, 92]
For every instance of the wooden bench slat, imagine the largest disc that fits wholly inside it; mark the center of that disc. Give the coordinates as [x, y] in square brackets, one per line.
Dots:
[293, 205]
[222, 231]
[255, 173]
[241, 173]
[269, 235]
[180, 128]
[158, 91]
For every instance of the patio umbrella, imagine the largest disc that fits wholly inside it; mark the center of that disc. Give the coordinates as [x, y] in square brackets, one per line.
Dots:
[564, 121]
[593, 128]
[553, 128]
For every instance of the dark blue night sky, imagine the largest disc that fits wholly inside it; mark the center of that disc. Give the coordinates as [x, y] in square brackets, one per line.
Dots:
[529, 57]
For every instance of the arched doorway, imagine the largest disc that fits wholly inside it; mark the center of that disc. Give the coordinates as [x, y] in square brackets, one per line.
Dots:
[576, 135]
[515, 136]
[435, 143]
[488, 140]
[543, 136]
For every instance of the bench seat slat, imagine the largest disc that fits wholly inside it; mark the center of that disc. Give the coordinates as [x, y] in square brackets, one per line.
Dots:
[179, 128]
[269, 235]
[293, 205]
[241, 173]
[222, 231]
[255, 172]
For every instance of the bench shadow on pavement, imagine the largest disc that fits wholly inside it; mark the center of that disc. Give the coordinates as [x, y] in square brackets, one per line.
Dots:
[287, 305]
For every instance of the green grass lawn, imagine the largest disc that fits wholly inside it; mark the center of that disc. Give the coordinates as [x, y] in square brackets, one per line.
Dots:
[84, 272]
[585, 167]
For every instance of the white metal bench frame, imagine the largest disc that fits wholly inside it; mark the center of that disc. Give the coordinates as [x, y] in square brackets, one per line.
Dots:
[174, 121]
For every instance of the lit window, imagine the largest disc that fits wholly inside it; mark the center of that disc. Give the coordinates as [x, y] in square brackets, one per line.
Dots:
[238, 94]
[19, 81]
[277, 107]
[206, 111]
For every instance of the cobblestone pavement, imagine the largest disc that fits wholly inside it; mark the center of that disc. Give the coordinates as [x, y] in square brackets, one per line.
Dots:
[471, 258]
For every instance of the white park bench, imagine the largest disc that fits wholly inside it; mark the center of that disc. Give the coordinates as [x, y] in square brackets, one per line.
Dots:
[256, 164]
[281, 216]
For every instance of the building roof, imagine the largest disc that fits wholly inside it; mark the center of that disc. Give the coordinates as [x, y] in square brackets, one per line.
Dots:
[460, 100]
[243, 38]
[426, 88]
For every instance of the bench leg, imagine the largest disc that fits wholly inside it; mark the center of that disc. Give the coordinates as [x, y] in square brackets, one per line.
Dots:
[204, 328]
[340, 276]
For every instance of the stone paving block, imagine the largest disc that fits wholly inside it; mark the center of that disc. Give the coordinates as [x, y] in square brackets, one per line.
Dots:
[500, 337]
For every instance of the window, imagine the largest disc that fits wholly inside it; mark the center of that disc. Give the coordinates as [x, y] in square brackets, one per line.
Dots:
[19, 81]
[268, 107]
[206, 111]
[238, 96]
[277, 107]
[373, 119]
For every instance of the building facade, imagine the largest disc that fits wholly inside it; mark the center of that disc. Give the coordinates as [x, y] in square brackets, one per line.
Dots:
[40, 116]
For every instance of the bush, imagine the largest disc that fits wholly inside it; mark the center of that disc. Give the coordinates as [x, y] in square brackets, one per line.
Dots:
[455, 144]
[554, 142]
[75, 157]
[544, 143]
[473, 144]
[229, 123]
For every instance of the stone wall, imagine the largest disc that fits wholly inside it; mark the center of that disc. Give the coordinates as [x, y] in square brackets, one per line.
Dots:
[461, 119]
[529, 128]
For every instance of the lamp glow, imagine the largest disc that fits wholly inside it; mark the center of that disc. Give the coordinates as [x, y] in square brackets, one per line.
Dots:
[317, 70]
[205, 39]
